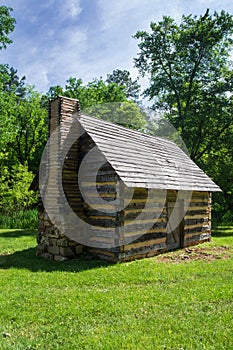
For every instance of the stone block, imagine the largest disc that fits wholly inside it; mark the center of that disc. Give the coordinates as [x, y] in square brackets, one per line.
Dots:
[67, 252]
[53, 250]
[78, 249]
[53, 232]
[72, 244]
[45, 240]
[63, 242]
[52, 241]
[41, 247]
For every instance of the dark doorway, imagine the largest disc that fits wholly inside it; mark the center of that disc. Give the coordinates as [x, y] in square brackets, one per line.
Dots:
[175, 227]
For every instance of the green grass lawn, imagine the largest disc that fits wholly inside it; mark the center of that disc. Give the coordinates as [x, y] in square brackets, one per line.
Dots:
[146, 304]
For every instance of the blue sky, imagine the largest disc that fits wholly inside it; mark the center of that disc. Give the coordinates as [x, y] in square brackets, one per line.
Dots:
[56, 39]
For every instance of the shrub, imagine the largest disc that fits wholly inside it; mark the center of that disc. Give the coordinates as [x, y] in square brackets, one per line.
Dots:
[14, 189]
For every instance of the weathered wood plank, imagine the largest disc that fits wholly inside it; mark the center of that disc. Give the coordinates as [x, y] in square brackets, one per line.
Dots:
[144, 244]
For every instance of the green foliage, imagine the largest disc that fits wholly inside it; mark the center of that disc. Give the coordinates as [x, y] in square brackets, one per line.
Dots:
[218, 164]
[10, 82]
[190, 75]
[191, 80]
[105, 100]
[95, 92]
[127, 114]
[93, 305]
[23, 128]
[123, 78]
[23, 133]
[14, 189]
[7, 25]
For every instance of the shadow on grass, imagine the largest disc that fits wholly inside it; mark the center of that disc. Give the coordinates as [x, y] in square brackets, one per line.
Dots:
[222, 231]
[16, 233]
[27, 259]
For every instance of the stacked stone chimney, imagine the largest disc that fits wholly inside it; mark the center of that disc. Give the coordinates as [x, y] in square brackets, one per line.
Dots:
[51, 243]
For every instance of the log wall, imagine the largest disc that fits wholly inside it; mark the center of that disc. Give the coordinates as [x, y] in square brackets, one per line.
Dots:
[197, 219]
[195, 227]
[101, 190]
[143, 224]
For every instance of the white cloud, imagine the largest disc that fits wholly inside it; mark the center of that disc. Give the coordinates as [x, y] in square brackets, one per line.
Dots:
[70, 9]
[136, 15]
[67, 40]
[55, 64]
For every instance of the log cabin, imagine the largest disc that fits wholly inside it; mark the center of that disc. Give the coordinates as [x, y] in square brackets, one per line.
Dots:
[138, 195]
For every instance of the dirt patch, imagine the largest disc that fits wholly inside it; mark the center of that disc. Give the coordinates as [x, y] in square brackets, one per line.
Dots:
[197, 253]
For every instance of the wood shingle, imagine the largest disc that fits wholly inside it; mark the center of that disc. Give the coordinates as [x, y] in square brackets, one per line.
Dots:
[141, 160]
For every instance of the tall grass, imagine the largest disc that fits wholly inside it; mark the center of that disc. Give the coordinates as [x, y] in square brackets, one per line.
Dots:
[22, 219]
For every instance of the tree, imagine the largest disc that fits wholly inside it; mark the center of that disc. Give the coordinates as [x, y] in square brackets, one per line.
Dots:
[10, 82]
[122, 78]
[23, 128]
[190, 76]
[7, 25]
[219, 165]
[95, 92]
[191, 82]
[104, 100]
[127, 114]
[23, 134]
[14, 185]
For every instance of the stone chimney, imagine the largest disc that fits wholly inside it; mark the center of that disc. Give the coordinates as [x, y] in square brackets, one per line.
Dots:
[51, 243]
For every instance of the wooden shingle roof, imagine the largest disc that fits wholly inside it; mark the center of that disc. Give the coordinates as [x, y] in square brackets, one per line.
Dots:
[141, 160]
